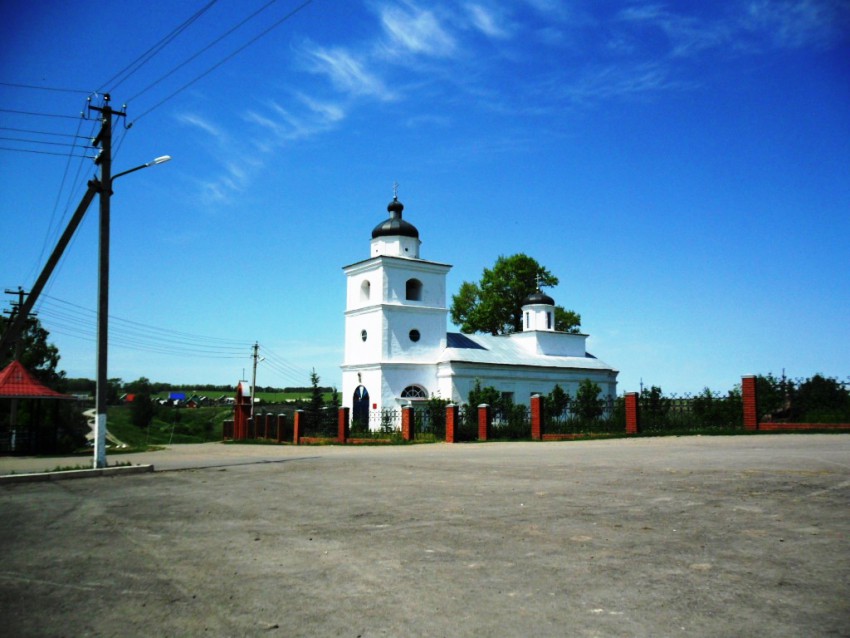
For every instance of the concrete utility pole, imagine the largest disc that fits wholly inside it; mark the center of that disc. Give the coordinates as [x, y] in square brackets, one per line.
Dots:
[256, 357]
[102, 391]
[104, 138]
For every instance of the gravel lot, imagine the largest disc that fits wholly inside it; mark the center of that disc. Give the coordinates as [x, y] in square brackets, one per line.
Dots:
[690, 536]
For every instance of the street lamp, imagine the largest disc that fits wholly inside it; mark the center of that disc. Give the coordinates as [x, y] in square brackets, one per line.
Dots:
[159, 160]
[102, 393]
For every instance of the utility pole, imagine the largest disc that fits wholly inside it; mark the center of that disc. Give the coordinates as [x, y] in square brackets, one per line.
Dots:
[256, 357]
[17, 306]
[104, 138]
[19, 351]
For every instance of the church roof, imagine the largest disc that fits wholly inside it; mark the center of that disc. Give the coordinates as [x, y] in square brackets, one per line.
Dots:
[505, 351]
[538, 298]
[395, 225]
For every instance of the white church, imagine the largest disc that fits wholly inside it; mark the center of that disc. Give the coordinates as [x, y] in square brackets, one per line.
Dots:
[398, 350]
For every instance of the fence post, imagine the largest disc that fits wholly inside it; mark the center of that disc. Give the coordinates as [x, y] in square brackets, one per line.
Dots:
[451, 422]
[750, 401]
[537, 417]
[268, 424]
[252, 429]
[632, 413]
[485, 421]
[227, 430]
[298, 427]
[407, 423]
[280, 425]
[342, 425]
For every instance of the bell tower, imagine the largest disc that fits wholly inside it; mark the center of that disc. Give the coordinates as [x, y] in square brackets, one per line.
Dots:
[395, 320]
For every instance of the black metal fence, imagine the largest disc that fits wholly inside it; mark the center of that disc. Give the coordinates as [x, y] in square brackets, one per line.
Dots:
[608, 416]
[323, 425]
[703, 412]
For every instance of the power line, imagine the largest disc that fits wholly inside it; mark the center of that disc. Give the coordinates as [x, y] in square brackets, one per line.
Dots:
[30, 141]
[36, 114]
[29, 150]
[204, 49]
[228, 57]
[44, 88]
[26, 130]
[148, 55]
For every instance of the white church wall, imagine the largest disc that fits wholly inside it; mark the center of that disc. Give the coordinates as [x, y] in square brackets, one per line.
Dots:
[358, 350]
[429, 324]
[552, 343]
[522, 382]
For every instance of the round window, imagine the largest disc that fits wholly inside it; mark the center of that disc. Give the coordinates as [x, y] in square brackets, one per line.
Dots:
[363, 335]
[414, 335]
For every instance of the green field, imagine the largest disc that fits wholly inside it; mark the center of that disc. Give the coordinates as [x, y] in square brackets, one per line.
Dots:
[171, 425]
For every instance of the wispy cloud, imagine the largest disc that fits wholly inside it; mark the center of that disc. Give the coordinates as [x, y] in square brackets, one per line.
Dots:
[487, 22]
[416, 30]
[345, 71]
[799, 23]
[619, 81]
[196, 121]
[687, 35]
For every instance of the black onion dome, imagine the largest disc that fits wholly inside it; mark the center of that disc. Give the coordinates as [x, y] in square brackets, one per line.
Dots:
[395, 225]
[538, 298]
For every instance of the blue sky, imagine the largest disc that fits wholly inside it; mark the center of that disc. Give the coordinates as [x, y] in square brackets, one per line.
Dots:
[683, 168]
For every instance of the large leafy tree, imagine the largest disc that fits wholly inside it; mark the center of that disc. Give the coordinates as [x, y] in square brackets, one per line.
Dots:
[36, 354]
[494, 304]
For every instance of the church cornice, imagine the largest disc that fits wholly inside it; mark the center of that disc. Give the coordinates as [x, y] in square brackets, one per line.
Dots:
[403, 306]
[408, 262]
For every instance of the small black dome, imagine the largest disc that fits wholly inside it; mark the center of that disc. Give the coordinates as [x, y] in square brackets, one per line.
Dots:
[538, 298]
[395, 225]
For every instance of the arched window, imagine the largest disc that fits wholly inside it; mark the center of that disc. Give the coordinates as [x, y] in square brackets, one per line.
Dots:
[414, 392]
[365, 290]
[413, 290]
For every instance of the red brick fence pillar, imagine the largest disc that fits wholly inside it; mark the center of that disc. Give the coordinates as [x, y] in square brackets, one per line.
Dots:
[451, 422]
[485, 422]
[536, 418]
[281, 423]
[298, 427]
[750, 400]
[407, 423]
[632, 413]
[342, 425]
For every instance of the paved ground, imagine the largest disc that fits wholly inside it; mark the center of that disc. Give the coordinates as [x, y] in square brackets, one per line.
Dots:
[711, 536]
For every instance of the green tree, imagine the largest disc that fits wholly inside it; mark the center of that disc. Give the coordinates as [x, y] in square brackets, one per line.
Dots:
[588, 405]
[37, 355]
[654, 406]
[556, 402]
[486, 395]
[317, 401]
[142, 407]
[494, 304]
[822, 399]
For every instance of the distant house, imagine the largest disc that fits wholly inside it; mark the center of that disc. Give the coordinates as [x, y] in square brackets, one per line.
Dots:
[196, 401]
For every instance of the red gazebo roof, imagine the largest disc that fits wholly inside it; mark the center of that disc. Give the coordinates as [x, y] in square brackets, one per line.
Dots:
[17, 383]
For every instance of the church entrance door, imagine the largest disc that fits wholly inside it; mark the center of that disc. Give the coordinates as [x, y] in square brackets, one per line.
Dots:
[360, 408]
